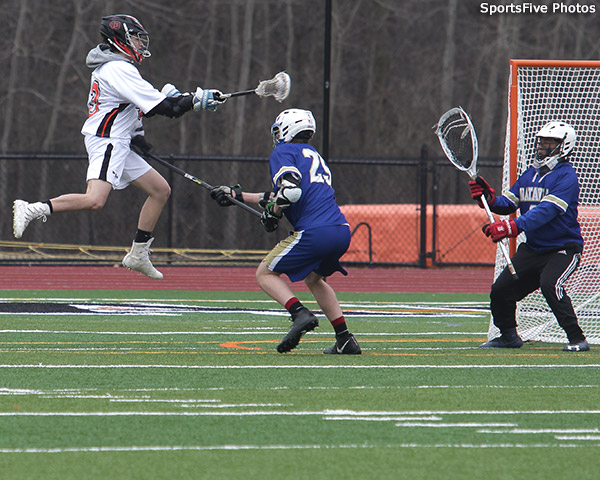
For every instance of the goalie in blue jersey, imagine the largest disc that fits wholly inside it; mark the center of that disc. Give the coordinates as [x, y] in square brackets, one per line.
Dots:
[547, 197]
[302, 192]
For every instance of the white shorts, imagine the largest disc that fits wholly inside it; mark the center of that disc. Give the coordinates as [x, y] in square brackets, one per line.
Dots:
[112, 160]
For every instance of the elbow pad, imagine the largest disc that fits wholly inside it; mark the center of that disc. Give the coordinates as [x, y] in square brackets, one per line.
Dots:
[289, 192]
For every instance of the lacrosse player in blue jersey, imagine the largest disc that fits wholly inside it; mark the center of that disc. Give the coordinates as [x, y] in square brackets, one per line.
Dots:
[547, 197]
[302, 192]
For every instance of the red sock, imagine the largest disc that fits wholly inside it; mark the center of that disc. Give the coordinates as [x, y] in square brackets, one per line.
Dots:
[293, 305]
[339, 325]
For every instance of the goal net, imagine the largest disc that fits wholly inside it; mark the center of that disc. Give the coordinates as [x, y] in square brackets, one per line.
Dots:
[540, 91]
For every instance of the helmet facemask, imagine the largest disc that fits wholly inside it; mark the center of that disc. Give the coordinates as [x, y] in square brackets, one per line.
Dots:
[140, 49]
[550, 155]
[126, 35]
[561, 133]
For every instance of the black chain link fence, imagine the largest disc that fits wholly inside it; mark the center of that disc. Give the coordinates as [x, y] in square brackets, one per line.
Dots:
[402, 211]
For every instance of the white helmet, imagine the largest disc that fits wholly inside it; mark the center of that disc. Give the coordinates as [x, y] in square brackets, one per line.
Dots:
[564, 134]
[290, 123]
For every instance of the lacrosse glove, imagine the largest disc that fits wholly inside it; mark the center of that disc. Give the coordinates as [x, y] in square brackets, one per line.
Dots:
[223, 194]
[501, 229]
[269, 219]
[207, 99]
[140, 143]
[480, 187]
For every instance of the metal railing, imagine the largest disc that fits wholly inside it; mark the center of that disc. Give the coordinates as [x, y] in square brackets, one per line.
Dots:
[402, 211]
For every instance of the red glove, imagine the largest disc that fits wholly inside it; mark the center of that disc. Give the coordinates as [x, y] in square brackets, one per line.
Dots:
[480, 187]
[501, 229]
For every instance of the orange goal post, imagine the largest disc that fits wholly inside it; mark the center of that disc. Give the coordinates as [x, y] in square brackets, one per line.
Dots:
[540, 91]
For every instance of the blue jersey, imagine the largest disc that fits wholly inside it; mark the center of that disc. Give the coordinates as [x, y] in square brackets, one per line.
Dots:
[548, 207]
[317, 206]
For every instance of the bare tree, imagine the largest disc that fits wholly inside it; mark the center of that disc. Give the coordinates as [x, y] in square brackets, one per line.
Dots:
[448, 58]
[57, 93]
[13, 75]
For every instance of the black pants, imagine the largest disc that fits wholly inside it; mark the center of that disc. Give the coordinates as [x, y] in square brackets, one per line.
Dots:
[547, 271]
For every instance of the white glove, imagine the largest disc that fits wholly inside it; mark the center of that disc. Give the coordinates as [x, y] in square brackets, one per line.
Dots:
[170, 90]
[218, 96]
[205, 99]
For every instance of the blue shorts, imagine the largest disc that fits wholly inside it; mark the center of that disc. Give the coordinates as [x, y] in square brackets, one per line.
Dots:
[315, 250]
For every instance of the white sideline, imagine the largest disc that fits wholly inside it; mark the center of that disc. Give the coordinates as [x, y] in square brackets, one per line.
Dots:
[311, 367]
[281, 447]
[325, 413]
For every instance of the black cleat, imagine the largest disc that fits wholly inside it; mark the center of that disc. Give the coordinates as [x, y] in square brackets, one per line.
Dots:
[503, 342]
[304, 321]
[349, 346]
[582, 346]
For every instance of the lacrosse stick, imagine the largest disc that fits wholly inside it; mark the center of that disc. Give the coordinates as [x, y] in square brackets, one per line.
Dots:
[459, 142]
[202, 183]
[278, 87]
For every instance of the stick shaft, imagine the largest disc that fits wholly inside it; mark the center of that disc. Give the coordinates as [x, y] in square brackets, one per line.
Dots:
[239, 94]
[196, 180]
[502, 244]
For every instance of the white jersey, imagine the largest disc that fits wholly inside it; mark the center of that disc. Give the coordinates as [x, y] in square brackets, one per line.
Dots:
[119, 96]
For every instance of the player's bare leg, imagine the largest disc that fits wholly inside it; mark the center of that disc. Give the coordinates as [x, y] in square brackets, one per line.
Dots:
[272, 284]
[278, 289]
[158, 191]
[93, 199]
[324, 295]
[327, 300]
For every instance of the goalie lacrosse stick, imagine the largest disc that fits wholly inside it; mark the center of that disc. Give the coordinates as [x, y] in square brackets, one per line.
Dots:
[202, 183]
[459, 142]
[278, 87]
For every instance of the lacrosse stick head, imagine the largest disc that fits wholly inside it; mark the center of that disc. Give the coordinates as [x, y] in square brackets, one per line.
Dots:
[278, 87]
[458, 140]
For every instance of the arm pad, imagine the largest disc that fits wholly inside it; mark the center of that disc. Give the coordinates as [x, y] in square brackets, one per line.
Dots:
[173, 107]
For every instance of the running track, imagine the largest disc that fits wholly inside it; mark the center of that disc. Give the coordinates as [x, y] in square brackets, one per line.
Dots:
[446, 280]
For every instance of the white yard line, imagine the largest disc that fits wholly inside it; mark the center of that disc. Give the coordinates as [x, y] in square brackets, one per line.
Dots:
[325, 413]
[286, 447]
[309, 367]
[248, 331]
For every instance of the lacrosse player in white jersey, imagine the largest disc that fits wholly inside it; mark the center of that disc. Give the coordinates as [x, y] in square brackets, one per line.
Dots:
[118, 99]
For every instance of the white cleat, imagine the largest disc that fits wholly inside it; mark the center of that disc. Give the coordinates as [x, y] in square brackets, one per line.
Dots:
[138, 259]
[24, 212]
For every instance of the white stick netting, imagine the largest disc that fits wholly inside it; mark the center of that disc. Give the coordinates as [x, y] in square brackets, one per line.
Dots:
[572, 94]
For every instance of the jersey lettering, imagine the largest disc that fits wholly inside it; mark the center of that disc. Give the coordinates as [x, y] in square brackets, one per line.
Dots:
[532, 194]
[93, 104]
[317, 161]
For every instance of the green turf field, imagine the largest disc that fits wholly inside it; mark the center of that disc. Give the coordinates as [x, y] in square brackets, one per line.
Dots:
[178, 385]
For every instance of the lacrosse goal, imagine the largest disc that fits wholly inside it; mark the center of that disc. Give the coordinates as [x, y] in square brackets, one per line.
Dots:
[540, 91]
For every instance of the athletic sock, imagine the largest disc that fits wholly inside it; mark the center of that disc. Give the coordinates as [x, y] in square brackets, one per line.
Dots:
[340, 327]
[142, 236]
[293, 305]
[49, 203]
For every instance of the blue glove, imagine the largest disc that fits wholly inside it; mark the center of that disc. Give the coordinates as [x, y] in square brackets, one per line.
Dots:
[205, 99]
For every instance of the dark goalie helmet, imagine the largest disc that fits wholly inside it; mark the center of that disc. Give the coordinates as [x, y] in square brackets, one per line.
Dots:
[119, 31]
